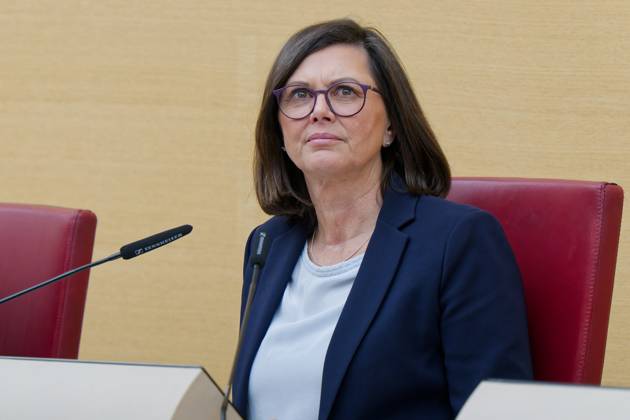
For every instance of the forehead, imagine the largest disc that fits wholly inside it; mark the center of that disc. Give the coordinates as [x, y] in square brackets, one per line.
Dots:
[333, 63]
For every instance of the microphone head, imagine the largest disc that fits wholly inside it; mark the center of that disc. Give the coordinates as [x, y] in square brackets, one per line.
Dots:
[155, 241]
[259, 256]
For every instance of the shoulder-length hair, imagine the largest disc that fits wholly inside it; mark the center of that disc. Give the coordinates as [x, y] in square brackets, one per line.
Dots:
[414, 155]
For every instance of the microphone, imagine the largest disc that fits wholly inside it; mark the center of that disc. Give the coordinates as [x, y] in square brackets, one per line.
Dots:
[257, 261]
[145, 245]
[260, 253]
[126, 252]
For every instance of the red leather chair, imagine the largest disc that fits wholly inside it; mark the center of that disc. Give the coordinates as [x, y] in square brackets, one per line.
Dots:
[565, 236]
[37, 243]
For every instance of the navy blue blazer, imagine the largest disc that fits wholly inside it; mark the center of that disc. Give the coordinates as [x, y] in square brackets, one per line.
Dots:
[437, 306]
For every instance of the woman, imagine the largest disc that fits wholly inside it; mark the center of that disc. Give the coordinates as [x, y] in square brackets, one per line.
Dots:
[378, 300]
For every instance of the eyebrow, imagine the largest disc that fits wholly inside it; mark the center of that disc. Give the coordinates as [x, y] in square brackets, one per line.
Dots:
[332, 82]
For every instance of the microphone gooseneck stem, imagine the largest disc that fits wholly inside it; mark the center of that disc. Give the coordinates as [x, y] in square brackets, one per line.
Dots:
[59, 277]
[244, 322]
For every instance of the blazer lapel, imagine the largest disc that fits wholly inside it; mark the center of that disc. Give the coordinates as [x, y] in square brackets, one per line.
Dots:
[284, 252]
[377, 271]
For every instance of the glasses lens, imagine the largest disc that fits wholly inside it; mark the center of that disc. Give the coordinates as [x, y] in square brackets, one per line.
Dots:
[296, 101]
[346, 98]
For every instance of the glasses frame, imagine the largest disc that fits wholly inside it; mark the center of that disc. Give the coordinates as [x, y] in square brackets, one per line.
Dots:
[316, 92]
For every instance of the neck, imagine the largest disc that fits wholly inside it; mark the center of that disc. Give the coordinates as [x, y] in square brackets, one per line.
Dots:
[346, 208]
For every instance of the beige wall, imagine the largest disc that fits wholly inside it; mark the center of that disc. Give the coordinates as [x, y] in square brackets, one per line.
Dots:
[143, 112]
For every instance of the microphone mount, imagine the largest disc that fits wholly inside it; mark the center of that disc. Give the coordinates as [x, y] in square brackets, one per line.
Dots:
[257, 260]
[128, 251]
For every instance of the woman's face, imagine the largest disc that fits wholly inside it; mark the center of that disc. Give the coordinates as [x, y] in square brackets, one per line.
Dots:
[324, 145]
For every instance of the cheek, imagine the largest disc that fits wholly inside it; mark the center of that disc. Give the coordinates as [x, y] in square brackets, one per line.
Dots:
[369, 129]
[291, 130]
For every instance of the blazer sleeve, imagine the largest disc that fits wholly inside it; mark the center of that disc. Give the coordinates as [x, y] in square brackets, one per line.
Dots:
[483, 317]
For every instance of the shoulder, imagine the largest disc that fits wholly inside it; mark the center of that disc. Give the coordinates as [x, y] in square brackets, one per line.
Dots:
[401, 207]
[471, 240]
[275, 226]
[455, 233]
[452, 214]
[440, 217]
[428, 204]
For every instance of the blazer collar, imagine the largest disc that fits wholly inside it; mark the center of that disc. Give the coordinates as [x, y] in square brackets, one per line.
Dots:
[377, 272]
[399, 207]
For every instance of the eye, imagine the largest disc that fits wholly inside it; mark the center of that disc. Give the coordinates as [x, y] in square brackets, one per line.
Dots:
[345, 91]
[298, 93]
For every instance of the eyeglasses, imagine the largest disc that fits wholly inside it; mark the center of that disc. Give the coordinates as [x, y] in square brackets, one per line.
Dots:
[344, 99]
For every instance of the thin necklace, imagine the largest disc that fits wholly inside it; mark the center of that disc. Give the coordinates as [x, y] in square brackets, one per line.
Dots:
[347, 258]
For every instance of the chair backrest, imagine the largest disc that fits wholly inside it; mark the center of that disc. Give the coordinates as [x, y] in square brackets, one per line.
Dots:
[565, 236]
[37, 243]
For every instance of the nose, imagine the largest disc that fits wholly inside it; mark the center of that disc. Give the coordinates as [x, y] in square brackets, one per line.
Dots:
[321, 109]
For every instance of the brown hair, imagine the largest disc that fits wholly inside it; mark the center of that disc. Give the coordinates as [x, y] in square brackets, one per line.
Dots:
[415, 154]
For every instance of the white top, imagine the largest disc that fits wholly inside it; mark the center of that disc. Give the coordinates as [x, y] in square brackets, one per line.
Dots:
[286, 377]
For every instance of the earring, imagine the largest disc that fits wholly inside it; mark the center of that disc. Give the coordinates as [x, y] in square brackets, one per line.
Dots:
[390, 138]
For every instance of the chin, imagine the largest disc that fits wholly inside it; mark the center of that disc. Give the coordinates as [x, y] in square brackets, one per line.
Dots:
[325, 169]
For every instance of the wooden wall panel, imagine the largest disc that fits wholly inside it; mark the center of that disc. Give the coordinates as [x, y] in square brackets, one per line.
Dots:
[144, 113]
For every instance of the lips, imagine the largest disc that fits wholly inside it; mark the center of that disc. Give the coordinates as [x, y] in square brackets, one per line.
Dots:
[322, 136]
